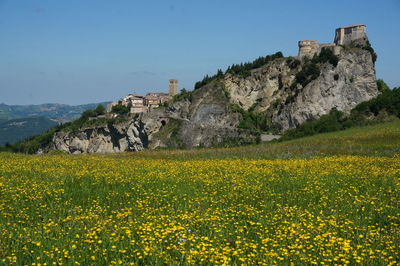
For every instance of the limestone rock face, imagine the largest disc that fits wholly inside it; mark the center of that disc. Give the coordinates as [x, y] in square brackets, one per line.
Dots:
[264, 86]
[271, 88]
[110, 138]
[342, 87]
[209, 118]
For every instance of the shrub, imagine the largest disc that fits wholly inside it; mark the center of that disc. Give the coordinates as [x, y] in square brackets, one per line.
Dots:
[367, 47]
[388, 100]
[89, 113]
[120, 109]
[183, 95]
[203, 82]
[382, 86]
[326, 55]
[293, 63]
[100, 110]
[309, 72]
[255, 122]
[326, 123]
[376, 110]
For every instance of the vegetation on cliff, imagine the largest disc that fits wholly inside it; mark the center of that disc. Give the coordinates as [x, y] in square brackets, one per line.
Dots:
[311, 67]
[183, 95]
[120, 109]
[385, 107]
[253, 121]
[169, 134]
[366, 46]
[242, 69]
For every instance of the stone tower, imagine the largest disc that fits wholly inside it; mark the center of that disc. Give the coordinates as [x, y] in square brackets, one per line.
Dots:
[308, 48]
[346, 35]
[173, 87]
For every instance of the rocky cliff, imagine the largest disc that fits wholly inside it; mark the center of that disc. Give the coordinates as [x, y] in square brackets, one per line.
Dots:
[209, 115]
[273, 88]
[204, 118]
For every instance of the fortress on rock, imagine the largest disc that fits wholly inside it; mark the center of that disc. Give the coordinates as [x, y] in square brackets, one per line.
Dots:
[343, 36]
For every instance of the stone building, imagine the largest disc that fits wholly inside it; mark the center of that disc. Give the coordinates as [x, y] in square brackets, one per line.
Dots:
[140, 104]
[134, 101]
[343, 36]
[346, 35]
[137, 104]
[153, 100]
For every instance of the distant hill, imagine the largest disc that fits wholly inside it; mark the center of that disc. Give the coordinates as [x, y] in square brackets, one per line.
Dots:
[60, 112]
[18, 122]
[18, 129]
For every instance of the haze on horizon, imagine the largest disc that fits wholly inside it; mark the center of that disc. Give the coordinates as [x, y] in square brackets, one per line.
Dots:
[78, 52]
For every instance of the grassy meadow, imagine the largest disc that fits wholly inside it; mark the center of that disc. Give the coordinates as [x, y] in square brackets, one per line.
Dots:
[328, 199]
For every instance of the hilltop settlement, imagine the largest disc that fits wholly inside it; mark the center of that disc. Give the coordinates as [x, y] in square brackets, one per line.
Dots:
[142, 104]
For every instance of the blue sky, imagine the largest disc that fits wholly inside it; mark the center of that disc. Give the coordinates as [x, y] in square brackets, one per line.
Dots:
[82, 51]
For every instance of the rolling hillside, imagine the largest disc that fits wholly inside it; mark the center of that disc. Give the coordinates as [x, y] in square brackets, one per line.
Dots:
[18, 129]
[60, 112]
[18, 122]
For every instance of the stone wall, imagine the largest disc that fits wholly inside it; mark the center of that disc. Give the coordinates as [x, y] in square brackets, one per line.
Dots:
[310, 47]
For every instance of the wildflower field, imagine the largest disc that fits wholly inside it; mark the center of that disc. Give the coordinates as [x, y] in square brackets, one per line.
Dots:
[152, 208]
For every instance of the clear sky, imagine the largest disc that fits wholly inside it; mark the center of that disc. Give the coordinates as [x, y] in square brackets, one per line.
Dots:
[84, 51]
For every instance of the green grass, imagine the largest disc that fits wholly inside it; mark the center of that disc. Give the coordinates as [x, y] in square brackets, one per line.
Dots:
[331, 198]
[376, 140]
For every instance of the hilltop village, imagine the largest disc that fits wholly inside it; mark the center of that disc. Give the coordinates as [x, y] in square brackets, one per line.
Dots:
[143, 104]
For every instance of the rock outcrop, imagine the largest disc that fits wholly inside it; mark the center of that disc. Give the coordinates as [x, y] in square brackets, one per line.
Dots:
[209, 115]
[205, 119]
[129, 136]
[342, 87]
[271, 88]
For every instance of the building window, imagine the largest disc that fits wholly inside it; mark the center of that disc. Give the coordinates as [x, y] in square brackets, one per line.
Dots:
[348, 30]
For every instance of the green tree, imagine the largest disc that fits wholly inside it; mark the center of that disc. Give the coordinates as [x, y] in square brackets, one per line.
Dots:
[100, 109]
[382, 86]
[120, 109]
[88, 113]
